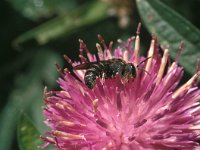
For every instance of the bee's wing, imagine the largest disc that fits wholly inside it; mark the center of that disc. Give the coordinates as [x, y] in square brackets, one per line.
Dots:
[83, 66]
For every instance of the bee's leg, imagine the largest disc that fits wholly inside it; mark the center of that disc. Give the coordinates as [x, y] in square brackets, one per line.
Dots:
[90, 81]
[103, 77]
[123, 74]
[90, 77]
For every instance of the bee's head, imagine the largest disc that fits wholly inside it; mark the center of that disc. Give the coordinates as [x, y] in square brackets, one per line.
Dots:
[129, 71]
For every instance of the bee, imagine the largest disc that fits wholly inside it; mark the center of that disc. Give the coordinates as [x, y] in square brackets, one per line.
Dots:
[106, 69]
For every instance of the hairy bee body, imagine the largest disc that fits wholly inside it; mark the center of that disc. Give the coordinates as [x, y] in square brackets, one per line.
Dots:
[106, 69]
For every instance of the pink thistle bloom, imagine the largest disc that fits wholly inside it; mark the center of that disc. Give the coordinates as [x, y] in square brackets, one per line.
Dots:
[148, 112]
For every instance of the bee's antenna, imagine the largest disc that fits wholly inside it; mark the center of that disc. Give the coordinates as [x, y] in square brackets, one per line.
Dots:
[143, 61]
[144, 70]
[138, 66]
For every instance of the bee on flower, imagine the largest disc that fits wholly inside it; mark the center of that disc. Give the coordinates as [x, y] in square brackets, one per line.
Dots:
[124, 101]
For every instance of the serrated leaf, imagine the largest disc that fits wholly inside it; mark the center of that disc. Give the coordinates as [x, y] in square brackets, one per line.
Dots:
[171, 28]
[28, 135]
[63, 25]
[29, 89]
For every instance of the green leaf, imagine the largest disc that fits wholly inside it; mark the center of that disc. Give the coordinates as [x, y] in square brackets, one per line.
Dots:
[171, 28]
[28, 135]
[36, 9]
[28, 91]
[63, 25]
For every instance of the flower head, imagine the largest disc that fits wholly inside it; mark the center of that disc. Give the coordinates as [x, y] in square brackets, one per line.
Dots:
[150, 111]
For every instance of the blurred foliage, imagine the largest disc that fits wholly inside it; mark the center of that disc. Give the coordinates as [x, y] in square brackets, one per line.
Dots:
[37, 9]
[28, 135]
[81, 16]
[36, 33]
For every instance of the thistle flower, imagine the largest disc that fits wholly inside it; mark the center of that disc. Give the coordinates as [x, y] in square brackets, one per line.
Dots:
[151, 111]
